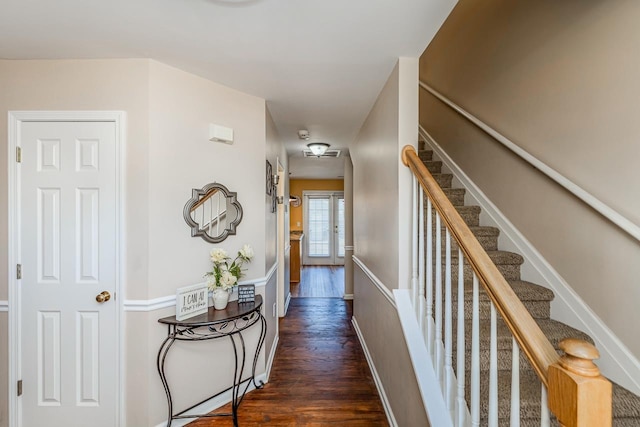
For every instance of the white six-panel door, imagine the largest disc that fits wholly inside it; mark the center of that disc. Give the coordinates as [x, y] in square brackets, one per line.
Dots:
[68, 251]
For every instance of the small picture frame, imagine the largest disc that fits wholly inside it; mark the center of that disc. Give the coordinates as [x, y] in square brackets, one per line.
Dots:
[246, 293]
[269, 179]
[191, 301]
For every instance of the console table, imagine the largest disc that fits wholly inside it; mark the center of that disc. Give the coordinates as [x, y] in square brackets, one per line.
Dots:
[230, 323]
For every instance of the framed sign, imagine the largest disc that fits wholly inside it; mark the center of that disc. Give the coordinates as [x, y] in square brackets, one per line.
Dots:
[191, 301]
[246, 293]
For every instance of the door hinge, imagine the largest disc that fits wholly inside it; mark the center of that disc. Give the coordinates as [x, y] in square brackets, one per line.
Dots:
[20, 388]
[18, 154]
[19, 271]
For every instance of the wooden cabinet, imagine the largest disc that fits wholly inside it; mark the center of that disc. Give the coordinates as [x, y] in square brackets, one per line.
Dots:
[296, 256]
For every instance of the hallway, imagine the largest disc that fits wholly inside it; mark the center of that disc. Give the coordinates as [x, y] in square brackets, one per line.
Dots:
[320, 376]
[320, 281]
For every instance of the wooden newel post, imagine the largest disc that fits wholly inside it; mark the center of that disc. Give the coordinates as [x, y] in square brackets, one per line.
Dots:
[578, 395]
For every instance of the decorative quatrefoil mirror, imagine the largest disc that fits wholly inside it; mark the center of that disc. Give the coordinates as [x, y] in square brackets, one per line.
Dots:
[213, 212]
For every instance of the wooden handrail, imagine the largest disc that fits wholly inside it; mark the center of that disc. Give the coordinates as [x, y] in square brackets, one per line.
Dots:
[525, 330]
[206, 197]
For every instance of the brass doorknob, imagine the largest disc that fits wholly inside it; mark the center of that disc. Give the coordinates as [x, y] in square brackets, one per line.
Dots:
[103, 296]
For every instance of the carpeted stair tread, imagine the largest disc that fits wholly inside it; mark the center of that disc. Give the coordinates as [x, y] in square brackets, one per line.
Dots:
[625, 404]
[526, 291]
[470, 214]
[555, 332]
[486, 236]
[425, 155]
[498, 257]
[443, 179]
[455, 195]
[535, 298]
[434, 166]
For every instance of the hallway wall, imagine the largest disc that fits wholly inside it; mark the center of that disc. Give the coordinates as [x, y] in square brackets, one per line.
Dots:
[382, 234]
[561, 80]
[167, 154]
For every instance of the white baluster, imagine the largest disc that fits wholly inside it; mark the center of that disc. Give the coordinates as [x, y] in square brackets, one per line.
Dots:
[475, 356]
[493, 370]
[421, 302]
[414, 247]
[515, 384]
[429, 279]
[448, 324]
[438, 284]
[460, 353]
[545, 419]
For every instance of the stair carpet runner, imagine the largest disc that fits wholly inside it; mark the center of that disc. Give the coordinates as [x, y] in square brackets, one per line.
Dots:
[537, 300]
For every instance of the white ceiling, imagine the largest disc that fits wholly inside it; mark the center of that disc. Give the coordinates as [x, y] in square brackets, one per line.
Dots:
[320, 64]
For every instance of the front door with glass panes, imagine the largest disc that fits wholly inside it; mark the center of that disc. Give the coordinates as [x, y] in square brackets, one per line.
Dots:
[324, 228]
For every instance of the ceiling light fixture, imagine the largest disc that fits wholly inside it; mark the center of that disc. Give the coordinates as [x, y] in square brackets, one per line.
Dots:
[318, 148]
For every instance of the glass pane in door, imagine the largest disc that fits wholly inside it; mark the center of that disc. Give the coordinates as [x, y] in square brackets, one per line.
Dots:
[340, 227]
[318, 212]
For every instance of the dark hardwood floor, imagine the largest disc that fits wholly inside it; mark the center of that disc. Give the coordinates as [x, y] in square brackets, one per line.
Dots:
[320, 376]
[319, 281]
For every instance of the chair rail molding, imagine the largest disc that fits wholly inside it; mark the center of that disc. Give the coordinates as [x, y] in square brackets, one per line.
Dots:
[166, 301]
[605, 210]
[381, 287]
[4, 306]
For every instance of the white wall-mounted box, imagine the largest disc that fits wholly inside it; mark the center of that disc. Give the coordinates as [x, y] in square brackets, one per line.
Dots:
[219, 133]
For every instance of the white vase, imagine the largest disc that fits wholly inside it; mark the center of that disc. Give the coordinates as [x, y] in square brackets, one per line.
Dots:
[220, 299]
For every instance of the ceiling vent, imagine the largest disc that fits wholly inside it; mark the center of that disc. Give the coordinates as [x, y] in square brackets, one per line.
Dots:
[329, 154]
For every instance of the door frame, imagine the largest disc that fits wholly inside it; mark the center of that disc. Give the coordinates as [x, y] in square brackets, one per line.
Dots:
[15, 121]
[332, 196]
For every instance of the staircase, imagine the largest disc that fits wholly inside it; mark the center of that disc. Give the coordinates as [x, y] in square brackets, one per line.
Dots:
[537, 300]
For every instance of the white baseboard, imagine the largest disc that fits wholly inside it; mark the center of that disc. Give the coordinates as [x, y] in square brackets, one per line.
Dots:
[376, 378]
[210, 405]
[616, 360]
[286, 303]
[272, 355]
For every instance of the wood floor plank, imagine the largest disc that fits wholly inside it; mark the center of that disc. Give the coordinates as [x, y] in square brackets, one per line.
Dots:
[319, 377]
[319, 281]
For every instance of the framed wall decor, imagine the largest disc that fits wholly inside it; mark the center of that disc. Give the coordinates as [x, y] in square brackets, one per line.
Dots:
[269, 179]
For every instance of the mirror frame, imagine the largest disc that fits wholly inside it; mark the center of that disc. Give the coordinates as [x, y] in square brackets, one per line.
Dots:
[196, 194]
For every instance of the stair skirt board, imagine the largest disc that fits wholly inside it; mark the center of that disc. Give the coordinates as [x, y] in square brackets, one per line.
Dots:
[374, 373]
[616, 361]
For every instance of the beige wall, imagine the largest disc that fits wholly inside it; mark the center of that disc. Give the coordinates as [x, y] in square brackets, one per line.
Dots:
[379, 323]
[382, 234]
[561, 80]
[381, 199]
[276, 238]
[83, 85]
[348, 227]
[87, 85]
[181, 108]
[167, 154]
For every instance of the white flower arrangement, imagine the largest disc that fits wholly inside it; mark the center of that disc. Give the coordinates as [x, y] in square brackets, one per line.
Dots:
[226, 273]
